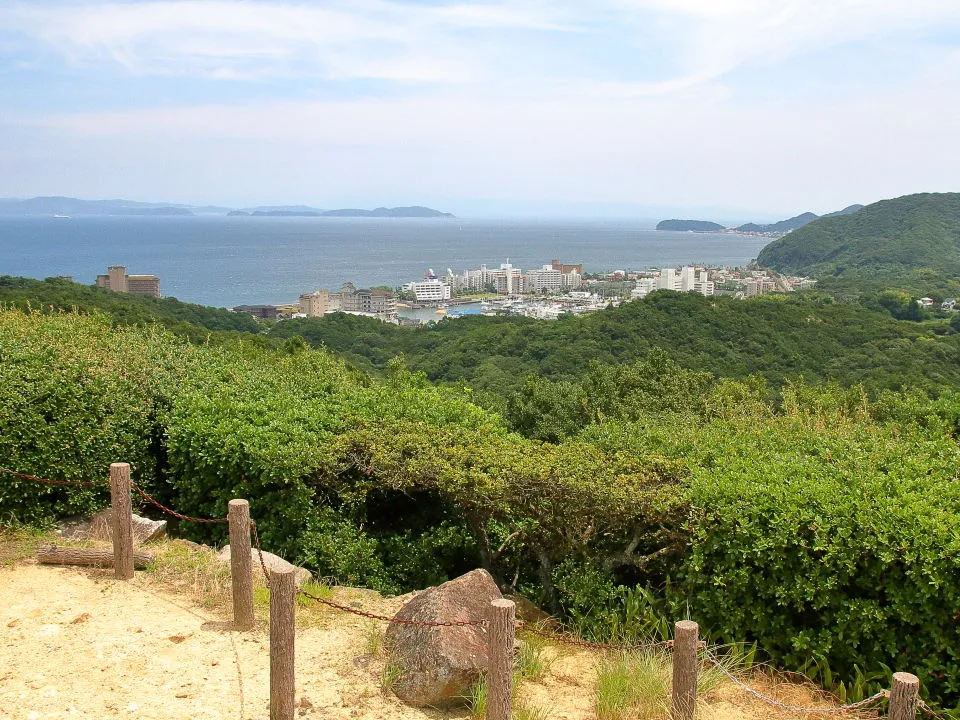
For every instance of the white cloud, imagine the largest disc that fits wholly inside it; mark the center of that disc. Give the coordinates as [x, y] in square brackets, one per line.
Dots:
[720, 36]
[454, 43]
[336, 40]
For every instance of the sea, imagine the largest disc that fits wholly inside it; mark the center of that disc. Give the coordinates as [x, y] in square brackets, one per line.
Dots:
[227, 261]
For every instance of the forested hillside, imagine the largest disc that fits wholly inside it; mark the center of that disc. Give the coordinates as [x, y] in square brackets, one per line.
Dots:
[890, 241]
[776, 337]
[194, 321]
[822, 525]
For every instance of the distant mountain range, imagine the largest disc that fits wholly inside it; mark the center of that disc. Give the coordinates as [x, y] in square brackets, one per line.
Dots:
[56, 205]
[413, 211]
[67, 206]
[777, 228]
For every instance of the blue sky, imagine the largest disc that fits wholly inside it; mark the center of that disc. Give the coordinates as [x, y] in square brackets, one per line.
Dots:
[730, 107]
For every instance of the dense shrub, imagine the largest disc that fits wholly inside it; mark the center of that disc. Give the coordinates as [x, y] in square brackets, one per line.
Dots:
[821, 532]
[75, 396]
[823, 527]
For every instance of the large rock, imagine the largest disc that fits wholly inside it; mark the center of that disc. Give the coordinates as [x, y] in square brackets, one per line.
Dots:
[100, 527]
[273, 563]
[439, 665]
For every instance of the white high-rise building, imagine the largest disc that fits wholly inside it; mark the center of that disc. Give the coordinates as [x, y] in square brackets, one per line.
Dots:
[644, 286]
[703, 285]
[668, 280]
[687, 278]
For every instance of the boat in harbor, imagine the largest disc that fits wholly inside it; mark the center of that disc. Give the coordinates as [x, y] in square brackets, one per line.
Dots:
[61, 217]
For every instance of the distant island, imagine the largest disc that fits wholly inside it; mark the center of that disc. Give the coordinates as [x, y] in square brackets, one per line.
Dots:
[162, 211]
[690, 226]
[774, 229]
[67, 207]
[413, 211]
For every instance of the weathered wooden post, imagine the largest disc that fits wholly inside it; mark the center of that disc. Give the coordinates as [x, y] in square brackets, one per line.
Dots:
[122, 520]
[685, 665]
[238, 513]
[283, 590]
[500, 655]
[903, 696]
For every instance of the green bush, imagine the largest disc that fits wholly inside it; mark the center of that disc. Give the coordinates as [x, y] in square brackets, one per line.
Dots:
[822, 532]
[75, 396]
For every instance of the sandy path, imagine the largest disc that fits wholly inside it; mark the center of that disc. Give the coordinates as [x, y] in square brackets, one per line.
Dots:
[87, 646]
[75, 643]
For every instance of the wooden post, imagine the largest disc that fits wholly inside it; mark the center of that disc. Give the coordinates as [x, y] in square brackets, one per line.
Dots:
[238, 513]
[903, 696]
[122, 520]
[283, 589]
[685, 666]
[500, 655]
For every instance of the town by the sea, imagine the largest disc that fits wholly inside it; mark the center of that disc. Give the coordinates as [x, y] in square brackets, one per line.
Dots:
[228, 261]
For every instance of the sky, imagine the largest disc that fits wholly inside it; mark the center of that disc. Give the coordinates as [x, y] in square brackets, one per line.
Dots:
[753, 109]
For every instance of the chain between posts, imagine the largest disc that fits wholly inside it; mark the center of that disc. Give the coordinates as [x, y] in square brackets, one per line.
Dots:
[45, 481]
[175, 514]
[591, 645]
[794, 708]
[883, 694]
[481, 623]
[256, 542]
[385, 618]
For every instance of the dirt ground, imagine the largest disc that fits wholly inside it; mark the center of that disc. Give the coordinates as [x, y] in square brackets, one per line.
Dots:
[75, 643]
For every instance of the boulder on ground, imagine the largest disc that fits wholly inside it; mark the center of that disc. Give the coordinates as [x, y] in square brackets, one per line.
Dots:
[100, 527]
[273, 563]
[439, 665]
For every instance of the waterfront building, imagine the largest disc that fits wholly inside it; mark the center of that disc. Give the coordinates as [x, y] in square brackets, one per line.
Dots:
[315, 304]
[508, 279]
[373, 302]
[430, 290]
[545, 279]
[117, 280]
[687, 278]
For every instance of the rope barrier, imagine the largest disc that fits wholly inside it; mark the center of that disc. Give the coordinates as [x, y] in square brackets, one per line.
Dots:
[793, 708]
[927, 710]
[45, 481]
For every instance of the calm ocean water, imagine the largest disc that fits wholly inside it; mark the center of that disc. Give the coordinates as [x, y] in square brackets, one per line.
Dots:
[227, 261]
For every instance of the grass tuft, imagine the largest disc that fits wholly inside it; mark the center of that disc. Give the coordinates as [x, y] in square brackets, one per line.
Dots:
[633, 685]
[532, 661]
[373, 638]
[195, 570]
[390, 675]
[477, 699]
[525, 710]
